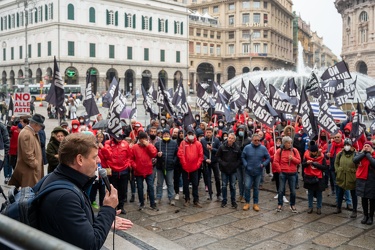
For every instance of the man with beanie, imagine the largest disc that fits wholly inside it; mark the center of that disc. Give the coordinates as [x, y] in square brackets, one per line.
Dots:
[166, 160]
[190, 153]
[242, 140]
[141, 157]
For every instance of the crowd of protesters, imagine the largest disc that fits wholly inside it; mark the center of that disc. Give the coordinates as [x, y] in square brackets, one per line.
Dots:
[236, 153]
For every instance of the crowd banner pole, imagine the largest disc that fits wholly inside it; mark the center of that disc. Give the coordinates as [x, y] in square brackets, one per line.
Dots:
[319, 136]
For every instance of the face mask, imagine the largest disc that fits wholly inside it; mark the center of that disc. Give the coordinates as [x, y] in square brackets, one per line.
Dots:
[347, 133]
[347, 148]
[174, 137]
[250, 123]
[81, 121]
[197, 118]
[152, 137]
[166, 138]
[220, 124]
[75, 126]
[224, 138]
[278, 145]
[162, 121]
[241, 133]
[190, 137]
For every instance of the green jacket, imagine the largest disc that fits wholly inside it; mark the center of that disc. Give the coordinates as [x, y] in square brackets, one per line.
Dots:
[345, 170]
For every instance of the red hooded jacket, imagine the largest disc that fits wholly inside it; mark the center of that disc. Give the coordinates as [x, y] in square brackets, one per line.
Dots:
[190, 155]
[141, 157]
[281, 162]
[117, 155]
[313, 171]
[363, 168]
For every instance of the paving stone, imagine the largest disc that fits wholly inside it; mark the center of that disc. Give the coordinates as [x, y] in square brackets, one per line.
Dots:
[357, 223]
[226, 244]
[223, 232]
[194, 228]
[197, 217]
[319, 227]
[168, 216]
[334, 220]
[218, 220]
[276, 216]
[195, 241]
[144, 222]
[221, 211]
[330, 240]
[371, 233]
[306, 218]
[267, 245]
[348, 231]
[296, 236]
[166, 225]
[248, 224]
[283, 225]
[309, 246]
[256, 235]
[363, 241]
[348, 247]
[240, 214]
[173, 234]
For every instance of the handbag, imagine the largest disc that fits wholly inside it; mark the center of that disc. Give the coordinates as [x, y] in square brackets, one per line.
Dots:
[310, 179]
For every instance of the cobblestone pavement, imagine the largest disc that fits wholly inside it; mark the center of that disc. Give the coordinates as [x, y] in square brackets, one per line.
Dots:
[213, 227]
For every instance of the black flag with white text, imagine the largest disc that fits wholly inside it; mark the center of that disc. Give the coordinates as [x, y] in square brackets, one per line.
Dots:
[338, 71]
[358, 127]
[117, 107]
[309, 123]
[89, 102]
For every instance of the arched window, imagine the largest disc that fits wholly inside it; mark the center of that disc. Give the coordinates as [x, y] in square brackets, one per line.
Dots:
[92, 15]
[349, 21]
[70, 11]
[363, 17]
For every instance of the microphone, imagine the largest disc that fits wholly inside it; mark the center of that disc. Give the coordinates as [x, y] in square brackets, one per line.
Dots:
[103, 175]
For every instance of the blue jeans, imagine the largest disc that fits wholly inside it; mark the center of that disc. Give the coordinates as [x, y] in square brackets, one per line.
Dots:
[160, 177]
[150, 187]
[240, 178]
[340, 196]
[319, 198]
[291, 178]
[231, 178]
[7, 167]
[252, 181]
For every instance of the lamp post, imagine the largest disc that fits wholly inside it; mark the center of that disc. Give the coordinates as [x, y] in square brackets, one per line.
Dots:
[250, 37]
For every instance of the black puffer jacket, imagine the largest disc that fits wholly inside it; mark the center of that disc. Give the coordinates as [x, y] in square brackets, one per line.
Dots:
[64, 218]
[242, 141]
[229, 158]
[169, 157]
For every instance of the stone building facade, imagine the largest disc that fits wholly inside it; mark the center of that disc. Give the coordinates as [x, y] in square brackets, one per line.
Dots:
[358, 25]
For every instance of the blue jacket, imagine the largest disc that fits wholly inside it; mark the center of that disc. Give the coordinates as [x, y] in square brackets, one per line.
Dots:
[254, 158]
[169, 157]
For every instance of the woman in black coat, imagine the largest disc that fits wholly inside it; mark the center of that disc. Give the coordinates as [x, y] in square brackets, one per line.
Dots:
[365, 184]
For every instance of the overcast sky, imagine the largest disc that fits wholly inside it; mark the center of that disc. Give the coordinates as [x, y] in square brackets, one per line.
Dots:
[323, 18]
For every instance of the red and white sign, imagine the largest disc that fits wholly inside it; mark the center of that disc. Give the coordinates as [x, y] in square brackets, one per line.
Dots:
[21, 104]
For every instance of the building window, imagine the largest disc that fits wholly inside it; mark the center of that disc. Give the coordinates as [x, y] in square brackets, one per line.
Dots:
[50, 11]
[198, 48]
[218, 50]
[39, 49]
[49, 49]
[256, 18]
[348, 21]
[231, 35]
[231, 20]
[92, 15]
[256, 34]
[92, 50]
[265, 18]
[245, 34]
[40, 14]
[265, 48]
[231, 6]
[111, 51]
[245, 48]
[245, 18]
[145, 23]
[265, 34]
[21, 19]
[363, 36]
[256, 47]
[12, 53]
[13, 21]
[163, 25]
[4, 54]
[265, 5]
[29, 50]
[178, 56]
[256, 4]
[110, 17]
[177, 27]
[204, 10]
[145, 54]
[205, 49]
[162, 55]
[20, 52]
[70, 11]
[212, 49]
[216, 9]
[70, 48]
[246, 4]
[363, 17]
[231, 49]
[130, 53]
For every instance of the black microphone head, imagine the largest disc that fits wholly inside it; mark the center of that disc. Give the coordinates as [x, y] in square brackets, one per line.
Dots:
[102, 173]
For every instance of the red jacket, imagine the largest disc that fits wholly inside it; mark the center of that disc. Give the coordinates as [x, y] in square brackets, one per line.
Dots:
[336, 148]
[141, 157]
[117, 155]
[75, 130]
[313, 171]
[190, 155]
[14, 140]
[363, 168]
[283, 164]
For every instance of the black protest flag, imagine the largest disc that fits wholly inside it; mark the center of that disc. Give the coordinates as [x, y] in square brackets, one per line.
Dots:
[370, 107]
[219, 104]
[280, 101]
[107, 99]
[147, 103]
[338, 71]
[333, 85]
[179, 101]
[372, 128]
[344, 94]
[370, 92]
[163, 98]
[10, 109]
[202, 98]
[133, 112]
[310, 126]
[117, 107]
[358, 127]
[89, 102]
[312, 83]
[262, 87]
[56, 92]
[237, 101]
[325, 118]
[225, 95]
[290, 88]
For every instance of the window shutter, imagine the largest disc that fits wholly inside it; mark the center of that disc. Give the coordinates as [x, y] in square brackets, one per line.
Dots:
[182, 28]
[150, 23]
[159, 24]
[143, 22]
[116, 18]
[107, 17]
[126, 21]
[175, 27]
[18, 20]
[134, 21]
[45, 12]
[166, 26]
[51, 10]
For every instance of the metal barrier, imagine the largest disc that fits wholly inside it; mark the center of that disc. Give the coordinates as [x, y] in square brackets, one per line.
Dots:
[17, 235]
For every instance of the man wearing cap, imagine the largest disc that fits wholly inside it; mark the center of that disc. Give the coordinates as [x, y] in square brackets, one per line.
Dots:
[29, 168]
[166, 160]
[190, 153]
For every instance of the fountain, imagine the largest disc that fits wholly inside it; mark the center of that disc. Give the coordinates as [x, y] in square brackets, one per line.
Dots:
[278, 77]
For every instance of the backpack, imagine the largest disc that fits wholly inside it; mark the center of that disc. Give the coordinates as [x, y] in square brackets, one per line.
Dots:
[23, 205]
